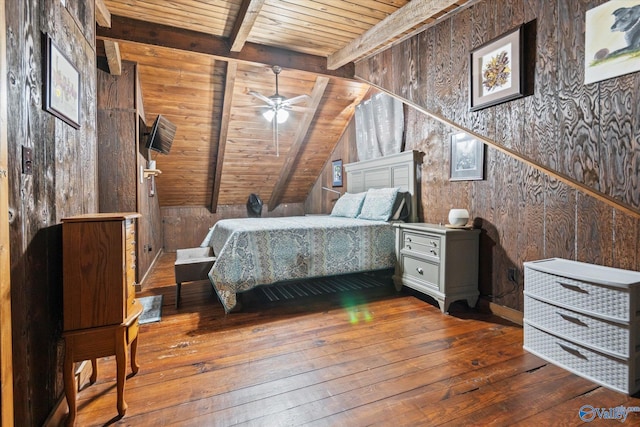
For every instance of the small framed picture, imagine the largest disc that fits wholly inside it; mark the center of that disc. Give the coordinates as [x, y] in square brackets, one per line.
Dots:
[336, 173]
[467, 158]
[496, 71]
[62, 86]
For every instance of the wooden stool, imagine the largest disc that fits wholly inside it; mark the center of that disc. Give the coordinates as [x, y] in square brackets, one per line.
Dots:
[192, 264]
[91, 343]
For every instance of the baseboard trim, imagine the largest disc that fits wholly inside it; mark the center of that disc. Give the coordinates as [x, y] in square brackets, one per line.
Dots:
[507, 313]
[139, 286]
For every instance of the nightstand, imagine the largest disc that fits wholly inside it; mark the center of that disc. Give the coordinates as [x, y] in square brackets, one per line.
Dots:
[438, 261]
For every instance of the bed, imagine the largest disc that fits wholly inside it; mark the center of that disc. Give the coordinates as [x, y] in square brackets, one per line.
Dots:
[252, 252]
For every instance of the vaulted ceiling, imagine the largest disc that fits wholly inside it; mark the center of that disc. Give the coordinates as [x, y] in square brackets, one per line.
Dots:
[199, 59]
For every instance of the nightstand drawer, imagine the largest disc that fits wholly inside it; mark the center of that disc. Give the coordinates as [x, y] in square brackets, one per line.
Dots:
[426, 272]
[425, 244]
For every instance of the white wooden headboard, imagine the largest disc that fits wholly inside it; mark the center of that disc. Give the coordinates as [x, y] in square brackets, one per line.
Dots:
[396, 170]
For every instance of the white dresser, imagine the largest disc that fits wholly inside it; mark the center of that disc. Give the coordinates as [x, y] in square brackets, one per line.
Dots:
[438, 261]
[584, 318]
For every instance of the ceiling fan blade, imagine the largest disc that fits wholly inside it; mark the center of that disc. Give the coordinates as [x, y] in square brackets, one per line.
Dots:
[261, 97]
[296, 99]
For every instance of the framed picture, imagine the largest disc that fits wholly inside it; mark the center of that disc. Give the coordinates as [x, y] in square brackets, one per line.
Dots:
[496, 71]
[61, 86]
[336, 173]
[467, 158]
[611, 40]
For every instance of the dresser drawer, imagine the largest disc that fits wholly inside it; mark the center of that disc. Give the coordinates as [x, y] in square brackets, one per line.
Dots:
[599, 300]
[605, 370]
[590, 331]
[422, 243]
[426, 272]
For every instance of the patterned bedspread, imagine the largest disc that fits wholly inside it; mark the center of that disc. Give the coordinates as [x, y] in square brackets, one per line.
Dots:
[257, 251]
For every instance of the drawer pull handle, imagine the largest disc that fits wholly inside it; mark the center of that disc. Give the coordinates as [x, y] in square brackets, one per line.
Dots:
[573, 351]
[409, 247]
[571, 287]
[419, 270]
[572, 319]
[433, 252]
[434, 244]
[409, 239]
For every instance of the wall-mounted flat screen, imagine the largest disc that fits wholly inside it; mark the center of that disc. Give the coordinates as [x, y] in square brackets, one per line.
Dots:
[161, 136]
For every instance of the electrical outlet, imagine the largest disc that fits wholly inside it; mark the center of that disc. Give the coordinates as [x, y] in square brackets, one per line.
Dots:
[511, 274]
[27, 160]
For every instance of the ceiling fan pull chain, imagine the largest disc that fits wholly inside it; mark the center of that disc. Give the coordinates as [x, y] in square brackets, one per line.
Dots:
[275, 137]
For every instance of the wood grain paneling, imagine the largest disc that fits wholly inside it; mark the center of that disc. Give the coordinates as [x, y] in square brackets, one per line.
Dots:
[63, 183]
[185, 88]
[541, 132]
[619, 126]
[626, 235]
[321, 201]
[594, 231]
[590, 133]
[187, 226]
[560, 220]
[579, 109]
[6, 357]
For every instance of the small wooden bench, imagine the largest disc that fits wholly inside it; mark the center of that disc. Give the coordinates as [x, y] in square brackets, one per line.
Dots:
[192, 264]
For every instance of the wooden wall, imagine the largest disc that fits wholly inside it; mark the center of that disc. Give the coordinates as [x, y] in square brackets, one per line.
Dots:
[187, 226]
[121, 152]
[63, 183]
[589, 132]
[321, 201]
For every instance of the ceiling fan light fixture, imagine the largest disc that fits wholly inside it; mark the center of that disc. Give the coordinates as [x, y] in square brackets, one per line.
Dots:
[281, 115]
[269, 114]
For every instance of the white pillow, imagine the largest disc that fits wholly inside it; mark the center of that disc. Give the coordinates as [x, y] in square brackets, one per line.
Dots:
[348, 205]
[378, 205]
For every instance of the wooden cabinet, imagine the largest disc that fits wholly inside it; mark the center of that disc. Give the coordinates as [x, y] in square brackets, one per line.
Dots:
[438, 261]
[100, 309]
[584, 318]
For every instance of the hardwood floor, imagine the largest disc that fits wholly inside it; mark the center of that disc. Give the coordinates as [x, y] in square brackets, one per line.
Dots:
[374, 357]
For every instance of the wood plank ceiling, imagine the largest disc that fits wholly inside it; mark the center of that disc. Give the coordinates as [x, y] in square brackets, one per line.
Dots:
[199, 59]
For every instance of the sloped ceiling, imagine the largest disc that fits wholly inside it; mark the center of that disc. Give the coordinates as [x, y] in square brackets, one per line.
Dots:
[198, 60]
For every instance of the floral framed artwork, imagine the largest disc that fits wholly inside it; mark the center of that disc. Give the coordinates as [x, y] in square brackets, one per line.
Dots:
[336, 173]
[466, 158]
[612, 40]
[61, 86]
[496, 71]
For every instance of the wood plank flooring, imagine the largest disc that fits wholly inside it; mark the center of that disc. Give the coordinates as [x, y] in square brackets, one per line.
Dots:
[373, 357]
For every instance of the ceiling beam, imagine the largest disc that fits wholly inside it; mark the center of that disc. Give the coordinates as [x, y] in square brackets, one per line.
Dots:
[249, 10]
[301, 133]
[403, 19]
[112, 50]
[133, 30]
[103, 16]
[230, 81]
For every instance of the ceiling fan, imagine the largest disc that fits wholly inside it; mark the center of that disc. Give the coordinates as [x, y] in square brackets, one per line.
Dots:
[277, 106]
